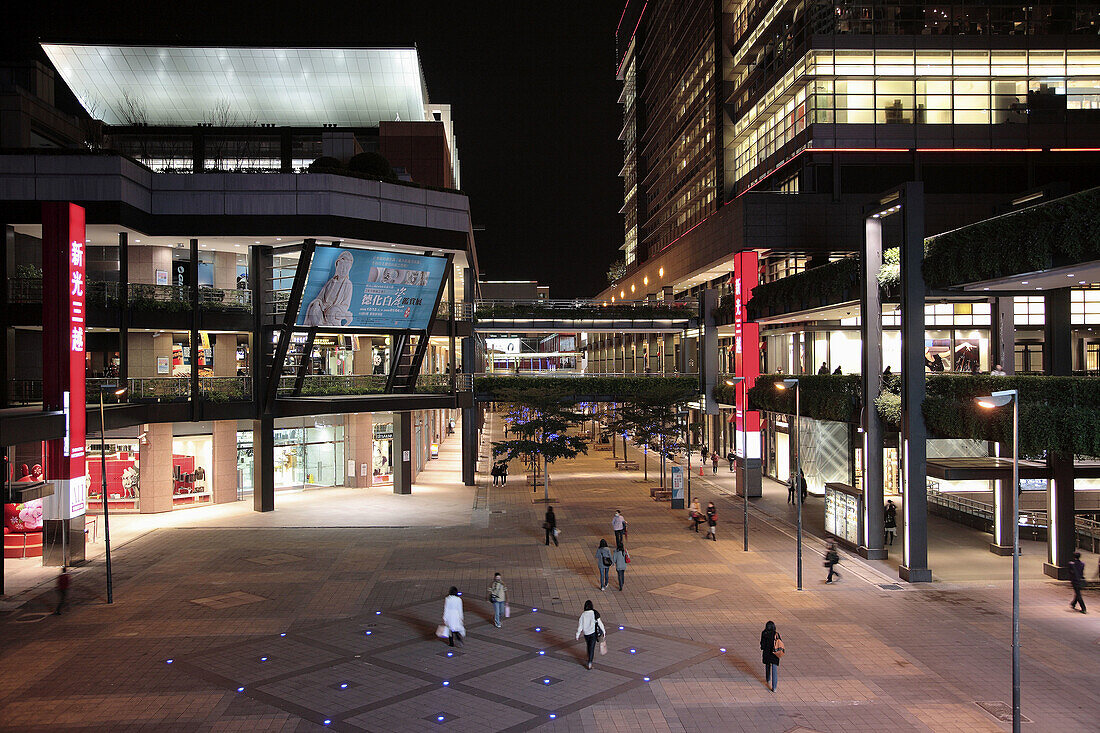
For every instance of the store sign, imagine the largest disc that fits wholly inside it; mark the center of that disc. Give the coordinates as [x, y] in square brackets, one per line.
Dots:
[368, 289]
[677, 482]
[63, 354]
[503, 346]
[746, 340]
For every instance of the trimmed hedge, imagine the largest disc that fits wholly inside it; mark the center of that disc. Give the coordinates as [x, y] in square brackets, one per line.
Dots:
[636, 389]
[825, 285]
[822, 397]
[1062, 232]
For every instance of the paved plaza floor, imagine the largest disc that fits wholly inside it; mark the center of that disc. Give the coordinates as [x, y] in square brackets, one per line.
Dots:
[279, 625]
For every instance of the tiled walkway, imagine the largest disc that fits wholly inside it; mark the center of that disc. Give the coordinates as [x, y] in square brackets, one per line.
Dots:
[218, 601]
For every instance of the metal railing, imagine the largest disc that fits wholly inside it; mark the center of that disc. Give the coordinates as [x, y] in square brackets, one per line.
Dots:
[567, 373]
[961, 504]
[585, 309]
[142, 296]
[228, 300]
[463, 311]
[226, 389]
[159, 389]
[334, 384]
[25, 290]
[25, 391]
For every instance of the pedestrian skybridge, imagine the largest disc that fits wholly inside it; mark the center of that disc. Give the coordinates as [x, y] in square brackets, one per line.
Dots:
[574, 387]
[592, 316]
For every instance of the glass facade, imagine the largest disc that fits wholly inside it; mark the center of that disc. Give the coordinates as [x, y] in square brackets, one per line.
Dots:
[934, 87]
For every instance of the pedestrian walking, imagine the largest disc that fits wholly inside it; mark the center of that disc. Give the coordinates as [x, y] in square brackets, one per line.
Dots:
[832, 559]
[890, 521]
[619, 558]
[695, 514]
[603, 562]
[712, 522]
[714, 461]
[550, 524]
[731, 457]
[453, 617]
[591, 625]
[771, 646]
[803, 486]
[1077, 578]
[703, 452]
[498, 595]
[504, 473]
[495, 473]
[618, 523]
[63, 582]
[790, 488]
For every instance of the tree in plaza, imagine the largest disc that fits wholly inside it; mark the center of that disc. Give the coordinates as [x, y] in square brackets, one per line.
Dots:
[654, 423]
[541, 420]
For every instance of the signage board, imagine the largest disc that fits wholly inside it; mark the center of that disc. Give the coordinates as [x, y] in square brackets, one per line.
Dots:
[63, 354]
[746, 340]
[496, 346]
[361, 288]
[677, 487]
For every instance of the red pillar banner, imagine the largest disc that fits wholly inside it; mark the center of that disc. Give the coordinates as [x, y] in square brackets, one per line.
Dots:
[63, 329]
[746, 273]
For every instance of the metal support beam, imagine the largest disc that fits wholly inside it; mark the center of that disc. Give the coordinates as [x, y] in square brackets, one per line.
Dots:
[402, 452]
[1058, 359]
[871, 544]
[914, 567]
[263, 464]
[193, 284]
[7, 266]
[294, 302]
[123, 308]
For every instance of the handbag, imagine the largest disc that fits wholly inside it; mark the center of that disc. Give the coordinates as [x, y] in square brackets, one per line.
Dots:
[556, 531]
[507, 610]
[442, 632]
[603, 646]
[606, 561]
[546, 525]
[779, 648]
[626, 556]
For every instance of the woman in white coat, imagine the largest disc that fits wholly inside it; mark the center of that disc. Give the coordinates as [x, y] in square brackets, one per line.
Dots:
[591, 625]
[452, 616]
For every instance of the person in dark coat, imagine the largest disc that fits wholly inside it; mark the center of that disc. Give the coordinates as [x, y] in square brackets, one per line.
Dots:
[837, 371]
[771, 661]
[1077, 577]
[823, 369]
[550, 523]
[712, 522]
[890, 521]
[714, 461]
[731, 457]
[832, 559]
[495, 473]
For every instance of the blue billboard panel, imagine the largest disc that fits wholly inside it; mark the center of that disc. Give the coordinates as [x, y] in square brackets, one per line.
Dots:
[361, 288]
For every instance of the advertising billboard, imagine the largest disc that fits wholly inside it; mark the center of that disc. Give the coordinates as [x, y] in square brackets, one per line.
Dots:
[362, 288]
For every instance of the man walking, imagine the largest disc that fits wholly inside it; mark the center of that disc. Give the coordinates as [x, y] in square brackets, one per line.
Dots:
[731, 457]
[64, 579]
[1077, 577]
[618, 523]
[832, 559]
[890, 521]
[712, 522]
[714, 461]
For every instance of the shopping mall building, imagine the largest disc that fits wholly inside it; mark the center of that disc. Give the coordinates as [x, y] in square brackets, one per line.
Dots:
[257, 258]
[763, 141]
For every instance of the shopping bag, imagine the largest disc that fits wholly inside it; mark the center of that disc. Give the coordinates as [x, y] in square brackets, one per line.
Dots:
[603, 647]
[507, 611]
[442, 632]
[557, 532]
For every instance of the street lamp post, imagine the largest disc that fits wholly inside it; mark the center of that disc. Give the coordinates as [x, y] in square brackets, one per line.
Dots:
[103, 474]
[797, 479]
[733, 382]
[995, 400]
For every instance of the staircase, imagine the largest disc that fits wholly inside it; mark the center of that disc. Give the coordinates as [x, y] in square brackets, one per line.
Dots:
[408, 353]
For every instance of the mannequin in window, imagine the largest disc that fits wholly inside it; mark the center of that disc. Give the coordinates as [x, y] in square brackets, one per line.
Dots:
[331, 306]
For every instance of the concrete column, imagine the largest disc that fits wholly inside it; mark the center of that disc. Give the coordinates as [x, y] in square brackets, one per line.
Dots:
[1004, 353]
[225, 354]
[708, 346]
[263, 471]
[914, 566]
[145, 261]
[224, 471]
[871, 545]
[155, 469]
[359, 449]
[1058, 359]
[1004, 335]
[225, 270]
[403, 448]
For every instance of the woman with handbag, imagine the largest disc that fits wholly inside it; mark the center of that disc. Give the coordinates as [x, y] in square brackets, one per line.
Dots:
[620, 560]
[603, 562]
[771, 644]
[591, 625]
[497, 593]
[550, 524]
[453, 617]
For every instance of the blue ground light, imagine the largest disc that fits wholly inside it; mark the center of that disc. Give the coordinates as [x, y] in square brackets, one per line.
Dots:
[446, 683]
[343, 685]
[553, 715]
[168, 661]
[368, 633]
[283, 634]
[240, 689]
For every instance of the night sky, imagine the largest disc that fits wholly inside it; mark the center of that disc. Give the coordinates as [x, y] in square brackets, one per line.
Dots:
[531, 84]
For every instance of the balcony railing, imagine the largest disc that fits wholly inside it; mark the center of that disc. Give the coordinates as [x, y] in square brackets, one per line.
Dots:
[226, 389]
[329, 384]
[463, 311]
[229, 301]
[584, 309]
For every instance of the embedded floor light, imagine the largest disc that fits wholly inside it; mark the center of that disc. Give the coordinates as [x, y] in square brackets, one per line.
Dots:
[992, 402]
[117, 392]
[797, 479]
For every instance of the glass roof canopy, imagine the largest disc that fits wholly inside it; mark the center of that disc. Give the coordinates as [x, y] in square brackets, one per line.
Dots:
[178, 85]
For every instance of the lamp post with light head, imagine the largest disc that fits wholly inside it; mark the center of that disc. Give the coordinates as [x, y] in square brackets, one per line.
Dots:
[993, 401]
[797, 478]
[117, 392]
[733, 382]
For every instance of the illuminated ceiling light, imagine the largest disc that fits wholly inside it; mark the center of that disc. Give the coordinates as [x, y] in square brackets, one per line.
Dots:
[632, 287]
[645, 280]
[622, 293]
[1023, 282]
[661, 272]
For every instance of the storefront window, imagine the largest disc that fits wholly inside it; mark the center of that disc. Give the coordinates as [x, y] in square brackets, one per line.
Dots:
[383, 453]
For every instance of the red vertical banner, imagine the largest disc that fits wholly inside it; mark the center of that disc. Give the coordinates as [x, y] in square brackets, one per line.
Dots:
[746, 274]
[64, 299]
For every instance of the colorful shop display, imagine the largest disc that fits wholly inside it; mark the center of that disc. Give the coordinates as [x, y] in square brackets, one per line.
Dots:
[23, 522]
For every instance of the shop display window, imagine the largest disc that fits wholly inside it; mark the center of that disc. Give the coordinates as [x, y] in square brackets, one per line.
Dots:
[383, 454]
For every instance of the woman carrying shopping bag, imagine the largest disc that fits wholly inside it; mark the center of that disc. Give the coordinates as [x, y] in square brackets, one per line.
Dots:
[591, 625]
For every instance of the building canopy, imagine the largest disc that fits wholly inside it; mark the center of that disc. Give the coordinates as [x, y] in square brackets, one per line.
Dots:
[223, 86]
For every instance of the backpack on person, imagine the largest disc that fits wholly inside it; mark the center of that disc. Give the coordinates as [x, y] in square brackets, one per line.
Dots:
[606, 561]
[779, 648]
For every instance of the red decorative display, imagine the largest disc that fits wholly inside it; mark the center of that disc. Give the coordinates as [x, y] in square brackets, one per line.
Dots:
[63, 330]
[746, 269]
